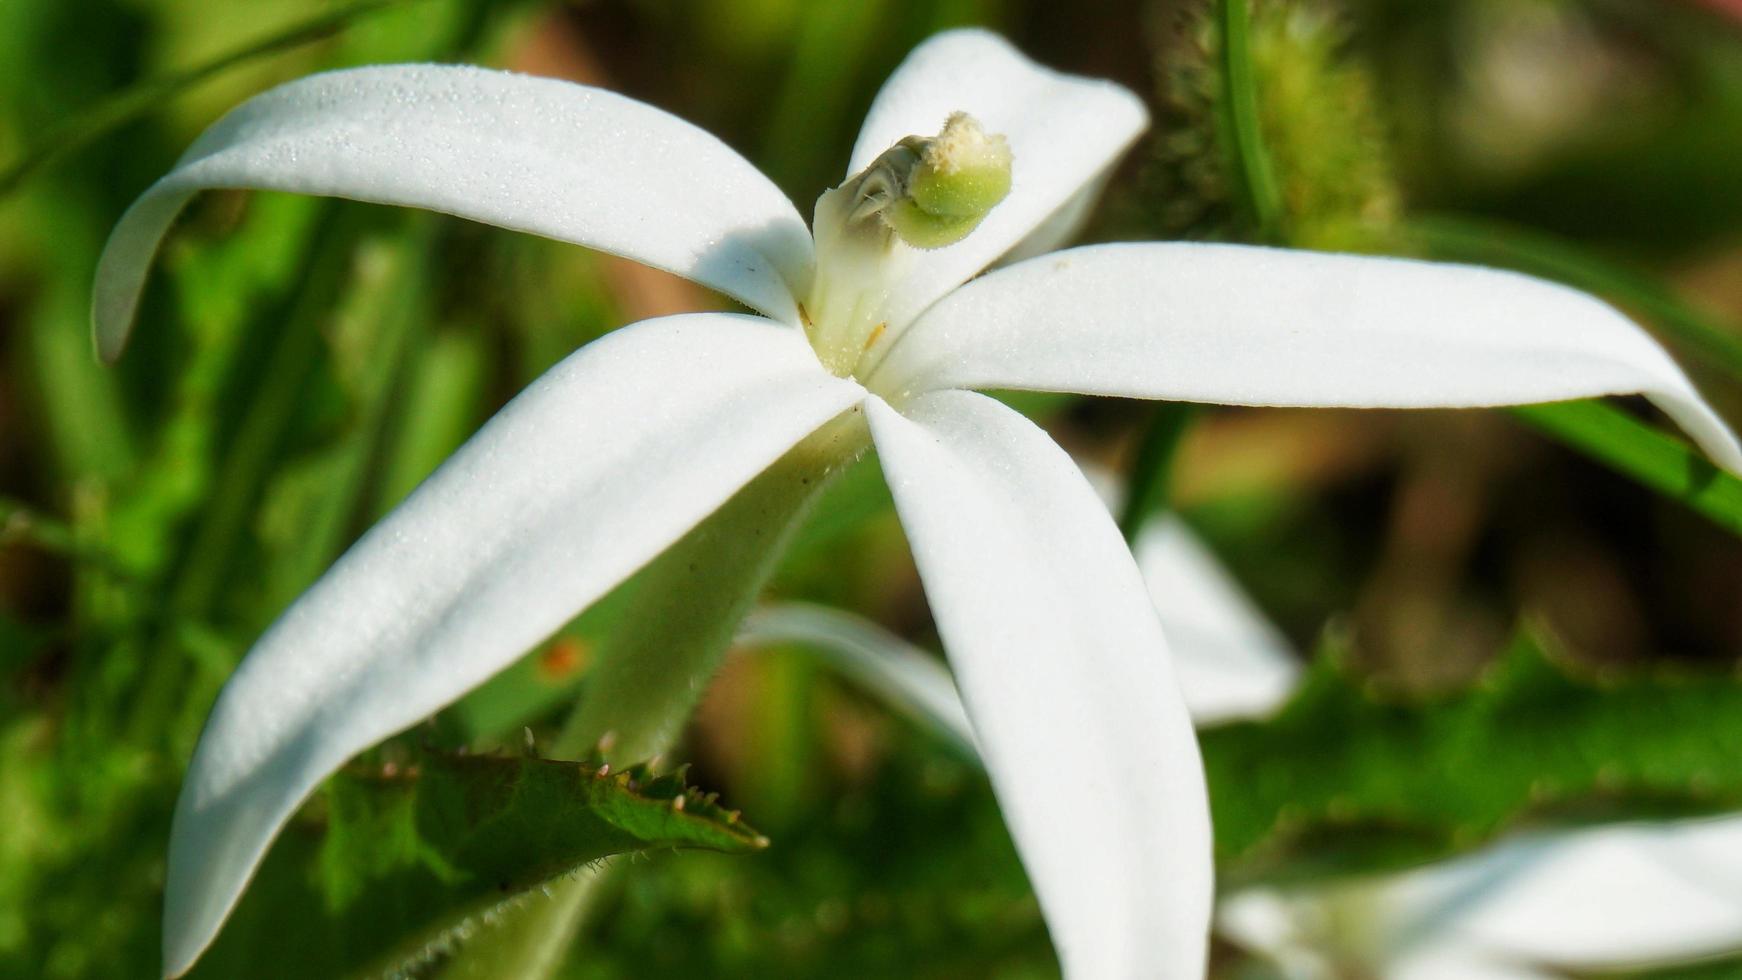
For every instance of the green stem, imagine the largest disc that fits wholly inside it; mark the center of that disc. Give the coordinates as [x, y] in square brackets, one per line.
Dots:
[1151, 481]
[1240, 125]
[689, 601]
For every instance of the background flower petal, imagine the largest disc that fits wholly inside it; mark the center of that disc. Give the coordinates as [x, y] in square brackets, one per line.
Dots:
[550, 157]
[1246, 325]
[1550, 903]
[1231, 660]
[1602, 898]
[590, 472]
[1064, 132]
[1065, 673]
[904, 676]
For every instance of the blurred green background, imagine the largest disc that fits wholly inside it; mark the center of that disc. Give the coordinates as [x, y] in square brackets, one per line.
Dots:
[301, 364]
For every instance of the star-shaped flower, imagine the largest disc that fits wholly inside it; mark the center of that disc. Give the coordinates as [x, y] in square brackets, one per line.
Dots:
[623, 447]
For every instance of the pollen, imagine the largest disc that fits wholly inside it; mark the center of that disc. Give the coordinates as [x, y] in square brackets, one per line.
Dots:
[964, 144]
[876, 335]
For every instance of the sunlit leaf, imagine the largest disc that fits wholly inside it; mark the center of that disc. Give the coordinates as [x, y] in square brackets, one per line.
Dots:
[399, 862]
[1344, 779]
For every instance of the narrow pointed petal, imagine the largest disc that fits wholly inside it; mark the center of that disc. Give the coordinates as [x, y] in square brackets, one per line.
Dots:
[1257, 326]
[1064, 131]
[590, 472]
[1617, 897]
[1455, 962]
[1232, 661]
[1065, 674]
[904, 676]
[550, 157]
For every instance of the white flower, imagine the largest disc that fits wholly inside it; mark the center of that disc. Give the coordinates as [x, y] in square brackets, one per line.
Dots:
[1536, 907]
[1623, 897]
[1232, 662]
[623, 447]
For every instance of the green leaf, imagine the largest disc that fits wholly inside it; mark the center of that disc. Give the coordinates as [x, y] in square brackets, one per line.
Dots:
[1344, 780]
[401, 861]
[1655, 458]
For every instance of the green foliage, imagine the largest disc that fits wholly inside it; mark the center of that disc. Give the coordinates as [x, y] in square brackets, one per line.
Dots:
[1270, 129]
[1345, 778]
[400, 862]
[302, 364]
[1663, 462]
[95, 123]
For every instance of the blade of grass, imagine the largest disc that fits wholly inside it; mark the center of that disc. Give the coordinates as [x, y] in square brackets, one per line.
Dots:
[1633, 448]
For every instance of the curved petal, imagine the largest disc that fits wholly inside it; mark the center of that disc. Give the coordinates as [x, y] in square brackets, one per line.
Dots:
[1618, 897]
[1065, 673]
[1231, 660]
[1064, 131]
[1454, 962]
[590, 472]
[1060, 228]
[906, 677]
[1258, 326]
[541, 155]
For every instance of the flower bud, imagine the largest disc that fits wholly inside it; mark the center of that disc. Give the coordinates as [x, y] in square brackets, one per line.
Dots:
[959, 176]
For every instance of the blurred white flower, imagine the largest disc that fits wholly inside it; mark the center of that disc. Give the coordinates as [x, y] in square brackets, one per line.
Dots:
[1622, 897]
[622, 448]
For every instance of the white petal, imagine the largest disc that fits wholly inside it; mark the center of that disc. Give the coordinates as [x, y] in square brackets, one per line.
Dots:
[590, 472]
[1065, 673]
[1231, 660]
[1607, 898]
[905, 676]
[1257, 326]
[549, 157]
[1061, 228]
[1455, 962]
[1064, 131]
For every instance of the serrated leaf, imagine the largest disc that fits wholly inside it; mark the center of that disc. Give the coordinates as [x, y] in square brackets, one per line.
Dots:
[394, 865]
[1344, 780]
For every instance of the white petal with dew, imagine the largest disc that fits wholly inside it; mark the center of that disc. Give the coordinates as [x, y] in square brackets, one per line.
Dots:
[1064, 131]
[594, 469]
[541, 155]
[906, 677]
[1065, 674]
[1231, 660]
[1259, 326]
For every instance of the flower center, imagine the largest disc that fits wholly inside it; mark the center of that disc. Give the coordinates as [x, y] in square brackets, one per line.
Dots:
[922, 193]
